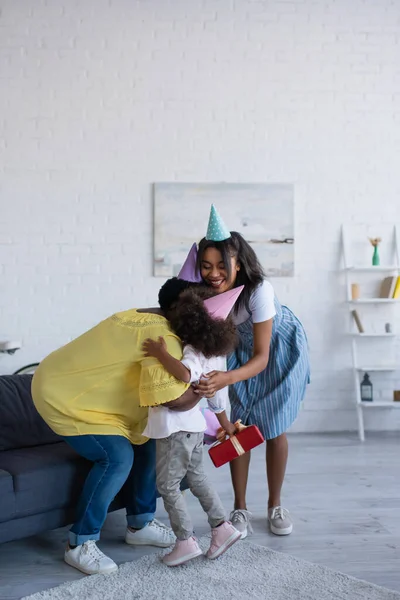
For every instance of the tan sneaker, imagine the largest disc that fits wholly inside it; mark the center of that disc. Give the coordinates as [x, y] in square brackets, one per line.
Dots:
[89, 559]
[279, 520]
[240, 519]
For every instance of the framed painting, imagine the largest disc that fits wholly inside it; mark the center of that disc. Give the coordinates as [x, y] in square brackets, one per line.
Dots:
[263, 213]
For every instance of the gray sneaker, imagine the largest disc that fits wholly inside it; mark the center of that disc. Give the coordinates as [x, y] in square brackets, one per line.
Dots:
[240, 519]
[279, 521]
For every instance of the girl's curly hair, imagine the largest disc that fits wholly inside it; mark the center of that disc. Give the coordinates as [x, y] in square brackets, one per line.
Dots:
[170, 291]
[191, 321]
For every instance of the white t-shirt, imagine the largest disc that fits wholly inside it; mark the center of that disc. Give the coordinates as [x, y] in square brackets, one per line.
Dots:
[261, 305]
[163, 422]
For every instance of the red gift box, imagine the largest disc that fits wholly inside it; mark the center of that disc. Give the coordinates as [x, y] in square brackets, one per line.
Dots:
[223, 452]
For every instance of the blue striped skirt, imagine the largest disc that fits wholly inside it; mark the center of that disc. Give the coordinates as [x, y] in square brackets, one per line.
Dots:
[271, 400]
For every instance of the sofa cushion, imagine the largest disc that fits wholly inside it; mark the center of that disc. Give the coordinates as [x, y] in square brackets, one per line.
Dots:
[21, 426]
[44, 477]
[7, 496]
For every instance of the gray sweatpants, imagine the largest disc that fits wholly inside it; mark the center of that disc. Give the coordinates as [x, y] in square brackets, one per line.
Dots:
[178, 455]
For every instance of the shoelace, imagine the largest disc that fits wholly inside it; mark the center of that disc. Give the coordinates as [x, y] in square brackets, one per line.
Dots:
[241, 515]
[161, 527]
[160, 524]
[279, 513]
[90, 548]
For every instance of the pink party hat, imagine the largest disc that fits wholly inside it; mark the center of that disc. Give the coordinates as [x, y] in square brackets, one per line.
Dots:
[189, 270]
[220, 306]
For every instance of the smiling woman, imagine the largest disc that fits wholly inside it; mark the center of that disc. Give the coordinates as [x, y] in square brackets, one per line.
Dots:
[220, 268]
[268, 372]
[214, 271]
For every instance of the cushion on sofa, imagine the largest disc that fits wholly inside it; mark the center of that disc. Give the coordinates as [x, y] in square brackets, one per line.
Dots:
[7, 496]
[44, 477]
[21, 426]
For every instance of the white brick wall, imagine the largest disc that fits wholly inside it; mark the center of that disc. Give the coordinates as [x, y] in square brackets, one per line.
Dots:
[100, 98]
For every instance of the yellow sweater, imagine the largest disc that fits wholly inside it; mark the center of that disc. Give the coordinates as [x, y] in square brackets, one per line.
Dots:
[101, 383]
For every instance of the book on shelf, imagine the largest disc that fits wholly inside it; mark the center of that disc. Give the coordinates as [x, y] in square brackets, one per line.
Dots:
[388, 286]
[358, 321]
[396, 291]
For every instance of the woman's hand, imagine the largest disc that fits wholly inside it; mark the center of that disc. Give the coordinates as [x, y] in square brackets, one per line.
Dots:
[154, 348]
[212, 382]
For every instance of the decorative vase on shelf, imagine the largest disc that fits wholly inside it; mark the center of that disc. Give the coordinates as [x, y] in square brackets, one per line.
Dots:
[375, 257]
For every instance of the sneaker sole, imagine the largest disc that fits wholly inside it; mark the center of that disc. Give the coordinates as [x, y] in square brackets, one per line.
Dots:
[86, 572]
[183, 560]
[148, 543]
[243, 534]
[277, 531]
[235, 537]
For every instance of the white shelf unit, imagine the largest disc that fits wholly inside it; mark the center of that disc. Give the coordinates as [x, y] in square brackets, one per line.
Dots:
[358, 370]
[380, 404]
[376, 368]
[372, 269]
[373, 301]
[377, 335]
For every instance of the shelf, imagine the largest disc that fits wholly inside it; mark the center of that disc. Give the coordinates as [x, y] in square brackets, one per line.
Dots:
[372, 368]
[380, 268]
[389, 404]
[378, 335]
[359, 267]
[374, 301]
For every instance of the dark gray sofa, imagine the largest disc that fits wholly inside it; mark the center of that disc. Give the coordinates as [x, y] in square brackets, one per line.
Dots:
[40, 475]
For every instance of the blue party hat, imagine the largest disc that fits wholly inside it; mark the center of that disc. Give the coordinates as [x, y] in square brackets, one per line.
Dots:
[217, 231]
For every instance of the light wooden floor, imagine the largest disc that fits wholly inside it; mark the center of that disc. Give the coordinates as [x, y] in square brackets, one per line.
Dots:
[344, 498]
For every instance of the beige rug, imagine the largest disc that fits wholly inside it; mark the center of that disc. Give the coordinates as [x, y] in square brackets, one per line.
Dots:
[245, 572]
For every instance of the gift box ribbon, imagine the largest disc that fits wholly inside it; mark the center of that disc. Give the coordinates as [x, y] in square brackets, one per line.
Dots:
[237, 445]
[221, 435]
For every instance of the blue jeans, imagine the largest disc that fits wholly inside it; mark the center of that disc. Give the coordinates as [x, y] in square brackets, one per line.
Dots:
[113, 457]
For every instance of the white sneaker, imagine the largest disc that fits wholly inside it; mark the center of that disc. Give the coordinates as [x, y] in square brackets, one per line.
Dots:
[89, 559]
[154, 533]
[240, 519]
[279, 520]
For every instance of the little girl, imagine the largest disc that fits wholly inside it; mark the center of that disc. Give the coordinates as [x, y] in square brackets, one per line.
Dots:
[208, 335]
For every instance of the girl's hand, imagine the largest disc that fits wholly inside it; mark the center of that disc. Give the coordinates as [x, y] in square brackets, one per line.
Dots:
[212, 382]
[228, 430]
[154, 348]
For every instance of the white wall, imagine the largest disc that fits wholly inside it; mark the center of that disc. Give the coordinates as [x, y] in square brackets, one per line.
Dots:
[100, 98]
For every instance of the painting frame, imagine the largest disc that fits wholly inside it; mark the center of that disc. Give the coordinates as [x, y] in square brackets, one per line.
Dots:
[262, 212]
